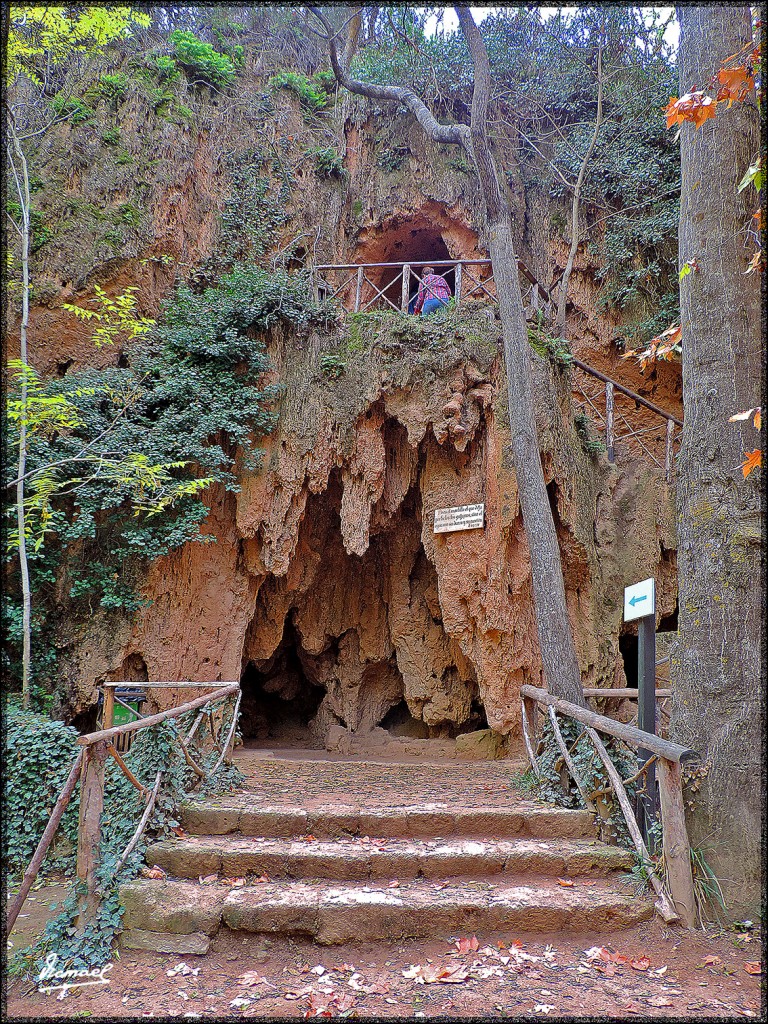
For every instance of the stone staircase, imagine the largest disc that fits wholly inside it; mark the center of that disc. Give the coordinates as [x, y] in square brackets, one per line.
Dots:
[387, 869]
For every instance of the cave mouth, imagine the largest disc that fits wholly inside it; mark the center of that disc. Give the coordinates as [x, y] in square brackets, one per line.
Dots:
[279, 699]
[421, 247]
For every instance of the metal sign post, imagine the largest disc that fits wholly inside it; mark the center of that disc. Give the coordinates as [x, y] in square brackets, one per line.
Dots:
[640, 603]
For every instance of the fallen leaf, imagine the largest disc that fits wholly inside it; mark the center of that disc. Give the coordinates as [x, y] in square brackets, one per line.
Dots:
[153, 872]
[182, 969]
[712, 960]
[566, 882]
[753, 967]
[542, 1008]
[208, 879]
[467, 945]
[251, 978]
[233, 882]
[640, 963]
[179, 831]
[659, 1001]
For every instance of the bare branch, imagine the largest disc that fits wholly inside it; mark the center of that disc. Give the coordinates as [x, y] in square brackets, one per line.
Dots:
[454, 133]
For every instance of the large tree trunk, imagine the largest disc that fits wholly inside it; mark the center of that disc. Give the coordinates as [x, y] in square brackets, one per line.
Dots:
[558, 654]
[717, 668]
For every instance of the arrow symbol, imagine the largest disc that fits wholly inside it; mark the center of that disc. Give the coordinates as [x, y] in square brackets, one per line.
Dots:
[635, 600]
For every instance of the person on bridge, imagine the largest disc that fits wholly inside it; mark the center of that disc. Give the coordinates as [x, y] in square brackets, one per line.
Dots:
[434, 292]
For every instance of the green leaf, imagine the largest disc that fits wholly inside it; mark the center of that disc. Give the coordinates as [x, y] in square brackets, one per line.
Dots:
[754, 175]
[684, 271]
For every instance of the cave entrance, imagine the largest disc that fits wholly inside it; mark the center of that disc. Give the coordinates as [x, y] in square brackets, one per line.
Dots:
[280, 699]
[418, 247]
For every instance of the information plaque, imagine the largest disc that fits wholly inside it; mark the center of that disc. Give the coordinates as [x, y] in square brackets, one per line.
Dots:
[463, 517]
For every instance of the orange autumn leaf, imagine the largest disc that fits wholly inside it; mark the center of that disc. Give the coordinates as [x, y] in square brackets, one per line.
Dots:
[565, 882]
[758, 216]
[735, 84]
[753, 967]
[753, 460]
[694, 106]
[641, 963]
[758, 419]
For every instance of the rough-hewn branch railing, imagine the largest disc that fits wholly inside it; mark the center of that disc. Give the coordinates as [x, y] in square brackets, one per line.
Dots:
[668, 757]
[90, 767]
[353, 287]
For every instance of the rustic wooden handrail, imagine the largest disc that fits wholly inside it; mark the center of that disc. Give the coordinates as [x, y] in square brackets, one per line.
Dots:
[143, 723]
[669, 755]
[90, 769]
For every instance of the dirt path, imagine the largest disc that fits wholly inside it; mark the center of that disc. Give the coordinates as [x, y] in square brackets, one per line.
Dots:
[666, 974]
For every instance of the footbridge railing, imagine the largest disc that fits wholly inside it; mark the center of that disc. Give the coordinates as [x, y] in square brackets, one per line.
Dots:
[89, 770]
[675, 893]
[627, 422]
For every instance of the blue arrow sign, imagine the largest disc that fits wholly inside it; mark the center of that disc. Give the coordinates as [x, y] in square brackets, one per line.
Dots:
[634, 600]
[642, 594]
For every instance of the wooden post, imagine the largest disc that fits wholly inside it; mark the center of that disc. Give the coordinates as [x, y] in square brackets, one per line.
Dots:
[646, 717]
[528, 713]
[89, 830]
[609, 419]
[458, 284]
[45, 841]
[677, 852]
[668, 451]
[359, 289]
[108, 711]
[406, 285]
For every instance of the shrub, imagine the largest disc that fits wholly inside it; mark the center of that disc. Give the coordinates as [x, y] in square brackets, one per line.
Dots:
[200, 59]
[328, 163]
[311, 94]
[76, 110]
[113, 87]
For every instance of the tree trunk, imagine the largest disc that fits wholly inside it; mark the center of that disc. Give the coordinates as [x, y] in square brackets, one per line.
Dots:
[558, 654]
[717, 667]
[22, 185]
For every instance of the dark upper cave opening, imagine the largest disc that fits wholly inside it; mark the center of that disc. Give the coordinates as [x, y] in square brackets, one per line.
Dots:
[417, 246]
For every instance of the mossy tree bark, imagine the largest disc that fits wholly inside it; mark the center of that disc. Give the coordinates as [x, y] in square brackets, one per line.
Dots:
[558, 653]
[717, 666]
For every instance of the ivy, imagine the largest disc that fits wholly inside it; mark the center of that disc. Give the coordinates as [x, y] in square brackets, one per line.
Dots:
[41, 753]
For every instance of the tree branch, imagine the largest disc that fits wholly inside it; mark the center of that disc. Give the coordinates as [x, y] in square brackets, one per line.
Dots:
[453, 133]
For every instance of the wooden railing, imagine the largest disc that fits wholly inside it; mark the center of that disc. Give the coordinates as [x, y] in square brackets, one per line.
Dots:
[677, 904]
[367, 287]
[351, 284]
[610, 406]
[90, 770]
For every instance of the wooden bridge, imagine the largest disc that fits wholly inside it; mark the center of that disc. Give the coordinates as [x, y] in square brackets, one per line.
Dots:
[630, 425]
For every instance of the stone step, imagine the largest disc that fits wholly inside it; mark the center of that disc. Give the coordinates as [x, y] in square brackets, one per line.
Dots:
[412, 821]
[366, 858]
[174, 916]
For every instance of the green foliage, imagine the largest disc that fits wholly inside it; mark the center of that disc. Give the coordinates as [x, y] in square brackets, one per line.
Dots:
[332, 364]
[38, 756]
[71, 107]
[557, 350]
[593, 444]
[129, 214]
[311, 93]
[165, 67]
[200, 60]
[113, 87]
[556, 785]
[257, 205]
[111, 136]
[328, 163]
[42, 752]
[392, 158]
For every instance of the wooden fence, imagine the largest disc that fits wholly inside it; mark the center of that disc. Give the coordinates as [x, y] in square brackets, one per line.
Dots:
[675, 899]
[90, 770]
[613, 408]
